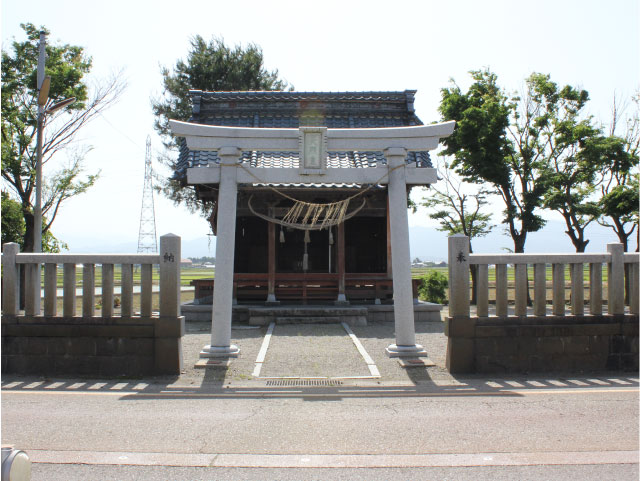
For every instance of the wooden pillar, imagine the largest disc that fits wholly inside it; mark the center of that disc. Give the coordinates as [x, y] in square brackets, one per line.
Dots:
[342, 299]
[271, 276]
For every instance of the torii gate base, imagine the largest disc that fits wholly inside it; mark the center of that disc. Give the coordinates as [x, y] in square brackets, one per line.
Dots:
[312, 143]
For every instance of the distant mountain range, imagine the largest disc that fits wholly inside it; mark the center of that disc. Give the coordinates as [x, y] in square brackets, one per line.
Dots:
[199, 247]
[427, 243]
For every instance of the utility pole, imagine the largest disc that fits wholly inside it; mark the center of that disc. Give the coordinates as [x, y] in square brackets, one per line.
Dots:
[42, 100]
[147, 241]
[43, 84]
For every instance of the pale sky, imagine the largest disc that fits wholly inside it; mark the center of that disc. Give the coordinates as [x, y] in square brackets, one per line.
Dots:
[318, 46]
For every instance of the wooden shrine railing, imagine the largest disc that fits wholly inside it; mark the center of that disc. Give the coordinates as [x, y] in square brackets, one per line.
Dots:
[305, 287]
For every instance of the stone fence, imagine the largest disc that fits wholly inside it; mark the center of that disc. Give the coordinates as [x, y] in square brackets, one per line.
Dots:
[523, 338]
[45, 341]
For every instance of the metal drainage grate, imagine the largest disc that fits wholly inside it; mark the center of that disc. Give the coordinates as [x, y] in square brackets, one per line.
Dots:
[304, 382]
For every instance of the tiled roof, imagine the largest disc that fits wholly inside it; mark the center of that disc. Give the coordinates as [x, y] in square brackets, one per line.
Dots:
[292, 109]
[278, 95]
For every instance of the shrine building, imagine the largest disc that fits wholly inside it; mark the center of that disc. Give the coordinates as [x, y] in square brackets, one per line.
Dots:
[309, 199]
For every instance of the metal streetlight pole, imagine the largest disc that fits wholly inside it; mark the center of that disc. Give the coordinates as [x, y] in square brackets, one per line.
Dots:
[44, 82]
[33, 274]
[42, 100]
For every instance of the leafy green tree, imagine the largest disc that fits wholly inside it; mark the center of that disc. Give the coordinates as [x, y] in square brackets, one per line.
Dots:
[13, 226]
[618, 168]
[433, 287]
[531, 148]
[12, 220]
[569, 145]
[620, 205]
[66, 65]
[209, 66]
[457, 205]
[483, 152]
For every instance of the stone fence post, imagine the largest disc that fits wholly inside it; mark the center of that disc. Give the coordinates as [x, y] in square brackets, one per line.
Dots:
[10, 280]
[616, 278]
[458, 276]
[459, 327]
[170, 326]
[170, 276]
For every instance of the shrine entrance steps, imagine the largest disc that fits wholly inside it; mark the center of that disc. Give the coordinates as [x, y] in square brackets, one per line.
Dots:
[354, 314]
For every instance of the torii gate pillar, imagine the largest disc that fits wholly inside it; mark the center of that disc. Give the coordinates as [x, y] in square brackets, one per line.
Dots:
[225, 249]
[401, 258]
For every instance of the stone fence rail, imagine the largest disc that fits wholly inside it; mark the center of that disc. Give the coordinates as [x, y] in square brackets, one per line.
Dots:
[37, 340]
[485, 342]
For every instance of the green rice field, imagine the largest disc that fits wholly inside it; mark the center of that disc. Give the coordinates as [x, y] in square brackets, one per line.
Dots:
[187, 275]
[190, 273]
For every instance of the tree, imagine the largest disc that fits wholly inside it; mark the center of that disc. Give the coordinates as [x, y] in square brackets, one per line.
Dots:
[483, 153]
[13, 226]
[66, 65]
[211, 66]
[12, 220]
[458, 209]
[568, 143]
[618, 167]
[518, 144]
[620, 205]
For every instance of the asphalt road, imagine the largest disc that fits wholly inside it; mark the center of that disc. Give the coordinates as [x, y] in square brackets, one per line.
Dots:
[466, 430]
[489, 473]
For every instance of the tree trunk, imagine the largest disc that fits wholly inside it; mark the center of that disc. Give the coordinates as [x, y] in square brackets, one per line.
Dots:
[624, 240]
[474, 285]
[474, 276]
[29, 221]
[518, 244]
[27, 247]
[575, 233]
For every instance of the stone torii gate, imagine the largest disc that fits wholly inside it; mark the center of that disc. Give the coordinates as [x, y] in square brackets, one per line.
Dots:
[313, 143]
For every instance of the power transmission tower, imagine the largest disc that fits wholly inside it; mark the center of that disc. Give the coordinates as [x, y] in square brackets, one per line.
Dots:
[147, 241]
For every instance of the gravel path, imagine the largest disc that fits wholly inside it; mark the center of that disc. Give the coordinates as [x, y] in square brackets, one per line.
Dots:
[313, 350]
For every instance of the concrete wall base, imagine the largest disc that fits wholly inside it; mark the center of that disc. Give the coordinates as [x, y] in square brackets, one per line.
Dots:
[112, 347]
[545, 344]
